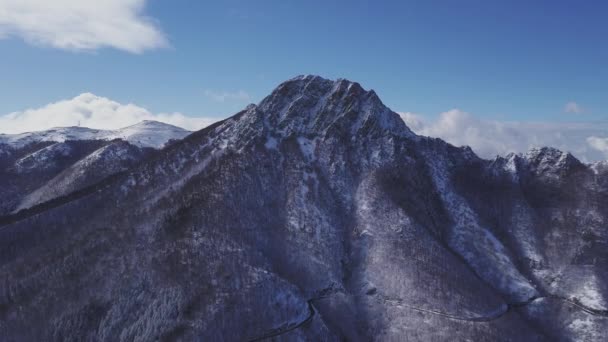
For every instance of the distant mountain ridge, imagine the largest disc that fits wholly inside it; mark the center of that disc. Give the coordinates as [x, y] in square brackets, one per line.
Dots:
[36, 167]
[316, 215]
[144, 134]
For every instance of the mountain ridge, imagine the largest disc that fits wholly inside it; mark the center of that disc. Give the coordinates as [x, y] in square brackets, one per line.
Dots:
[147, 133]
[39, 166]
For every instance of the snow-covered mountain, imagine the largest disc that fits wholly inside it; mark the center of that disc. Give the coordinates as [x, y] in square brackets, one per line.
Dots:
[316, 215]
[104, 162]
[40, 166]
[144, 134]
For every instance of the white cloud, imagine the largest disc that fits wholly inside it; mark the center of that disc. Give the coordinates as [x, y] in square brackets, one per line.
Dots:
[238, 96]
[91, 111]
[414, 121]
[600, 144]
[489, 138]
[573, 108]
[81, 24]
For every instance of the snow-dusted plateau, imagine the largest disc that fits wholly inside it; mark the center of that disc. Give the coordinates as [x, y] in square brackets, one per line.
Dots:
[316, 215]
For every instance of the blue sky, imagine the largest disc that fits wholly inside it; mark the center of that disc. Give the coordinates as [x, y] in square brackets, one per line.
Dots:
[499, 60]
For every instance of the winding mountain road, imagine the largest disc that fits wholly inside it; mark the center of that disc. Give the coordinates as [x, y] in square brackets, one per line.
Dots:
[508, 307]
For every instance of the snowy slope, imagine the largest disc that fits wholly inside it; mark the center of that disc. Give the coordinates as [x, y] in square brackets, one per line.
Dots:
[71, 158]
[108, 160]
[29, 160]
[144, 134]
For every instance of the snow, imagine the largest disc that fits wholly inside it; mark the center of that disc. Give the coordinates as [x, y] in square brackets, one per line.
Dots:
[148, 134]
[589, 295]
[335, 223]
[549, 161]
[42, 159]
[476, 244]
[511, 165]
[144, 134]
[302, 106]
[106, 160]
[586, 328]
[55, 134]
[599, 167]
[581, 325]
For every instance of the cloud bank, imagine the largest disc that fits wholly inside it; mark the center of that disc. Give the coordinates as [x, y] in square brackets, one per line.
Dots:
[488, 138]
[91, 111]
[81, 25]
[600, 144]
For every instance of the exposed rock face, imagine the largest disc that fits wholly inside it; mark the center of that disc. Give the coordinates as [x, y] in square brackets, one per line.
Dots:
[316, 215]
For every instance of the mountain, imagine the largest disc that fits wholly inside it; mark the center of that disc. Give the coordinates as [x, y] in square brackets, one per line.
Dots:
[144, 134]
[39, 166]
[315, 215]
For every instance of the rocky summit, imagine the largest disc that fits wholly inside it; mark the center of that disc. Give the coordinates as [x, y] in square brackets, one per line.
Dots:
[316, 215]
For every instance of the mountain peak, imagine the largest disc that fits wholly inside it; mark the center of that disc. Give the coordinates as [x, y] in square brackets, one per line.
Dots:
[311, 84]
[551, 155]
[311, 104]
[148, 124]
[549, 161]
[154, 123]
